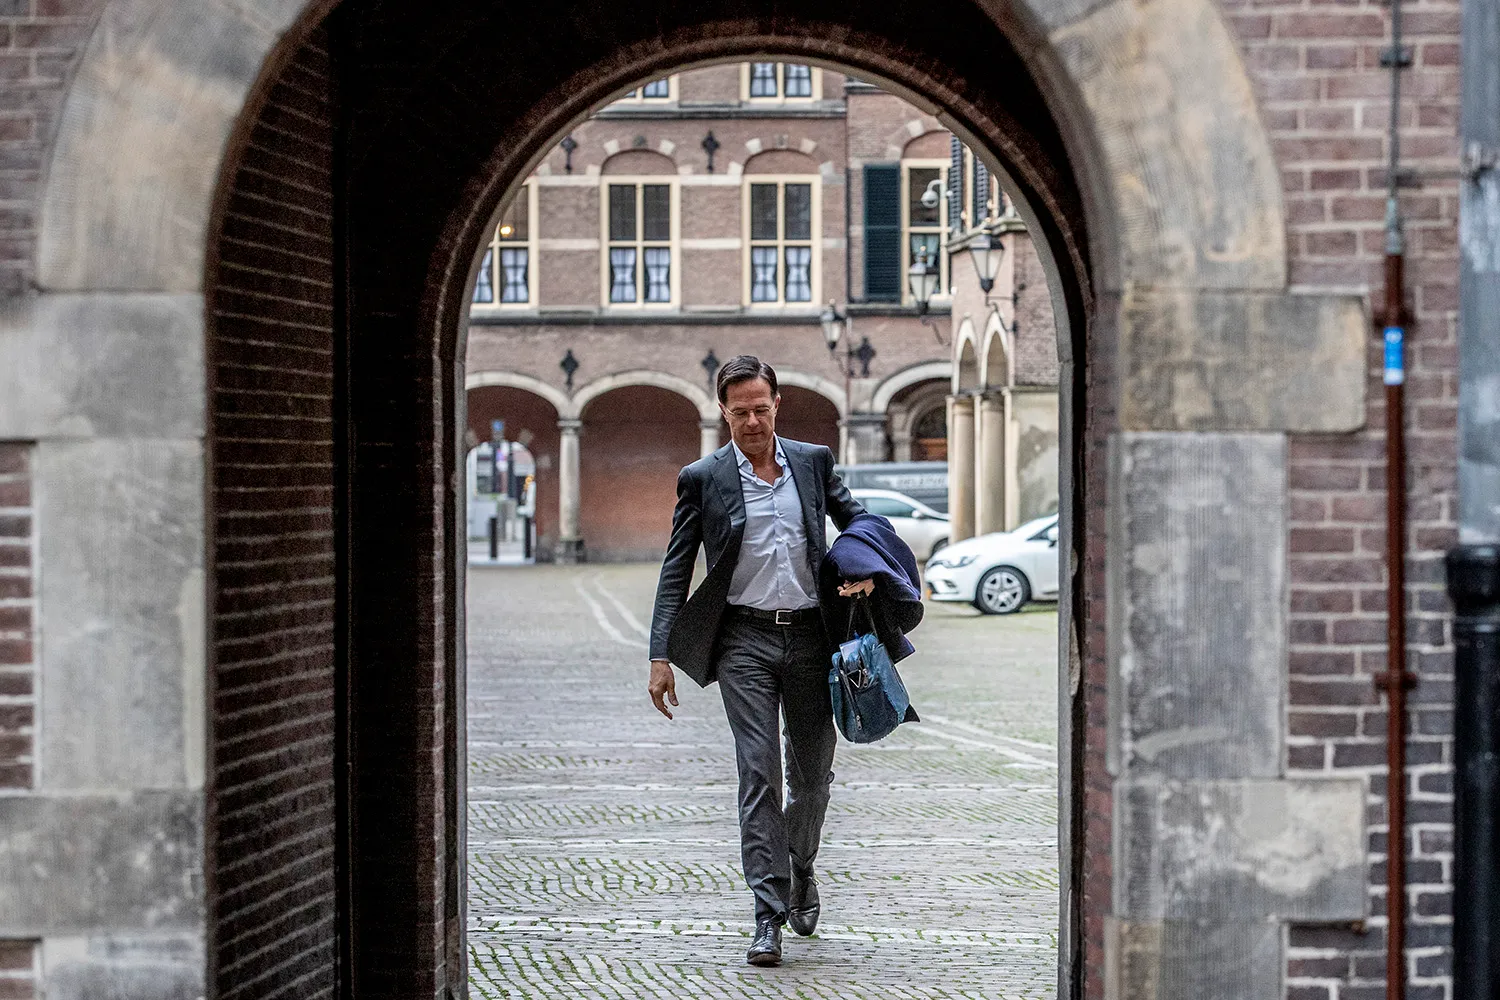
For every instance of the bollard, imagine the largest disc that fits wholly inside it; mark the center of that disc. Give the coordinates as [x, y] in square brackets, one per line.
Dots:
[1474, 587]
[526, 537]
[494, 538]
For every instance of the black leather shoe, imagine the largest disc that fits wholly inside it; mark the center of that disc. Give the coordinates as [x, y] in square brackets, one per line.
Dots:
[766, 948]
[804, 907]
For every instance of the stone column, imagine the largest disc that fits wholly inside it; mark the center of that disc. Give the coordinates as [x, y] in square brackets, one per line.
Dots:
[708, 436]
[900, 419]
[960, 467]
[569, 492]
[989, 496]
[866, 437]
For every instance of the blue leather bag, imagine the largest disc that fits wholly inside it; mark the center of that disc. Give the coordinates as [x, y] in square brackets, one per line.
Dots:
[869, 700]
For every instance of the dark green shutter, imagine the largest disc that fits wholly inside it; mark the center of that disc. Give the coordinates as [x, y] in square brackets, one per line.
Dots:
[883, 232]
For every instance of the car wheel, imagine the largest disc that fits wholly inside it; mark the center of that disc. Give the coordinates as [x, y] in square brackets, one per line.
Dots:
[936, 546]
[1004, 590]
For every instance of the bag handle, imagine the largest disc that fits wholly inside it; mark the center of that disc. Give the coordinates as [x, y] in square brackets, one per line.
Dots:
[859, 601]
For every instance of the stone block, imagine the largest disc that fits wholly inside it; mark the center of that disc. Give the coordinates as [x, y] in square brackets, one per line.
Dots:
[1173, 960]
[142, 137]
[1241, 361]
[74, 864]
[1226, 851]
[121, 606]
[124, 968]
[1197, 604]
[101, 365]
[1127, 61]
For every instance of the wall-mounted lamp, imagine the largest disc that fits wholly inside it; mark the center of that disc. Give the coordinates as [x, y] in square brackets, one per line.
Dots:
[922, 281]
[710, 146]
[985, 252]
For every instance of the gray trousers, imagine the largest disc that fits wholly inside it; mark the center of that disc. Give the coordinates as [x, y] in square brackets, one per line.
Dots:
[765, 672]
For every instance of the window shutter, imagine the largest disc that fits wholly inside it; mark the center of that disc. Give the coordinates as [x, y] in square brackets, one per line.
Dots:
[981, 191]
[955, 185]
[883, 232]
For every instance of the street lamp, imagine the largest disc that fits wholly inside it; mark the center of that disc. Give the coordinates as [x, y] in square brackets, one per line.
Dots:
[922, 278]
[833, 325]
[836, 325]
[985, 252]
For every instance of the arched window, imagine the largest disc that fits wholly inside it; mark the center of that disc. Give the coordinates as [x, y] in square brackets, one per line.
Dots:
[929, 435]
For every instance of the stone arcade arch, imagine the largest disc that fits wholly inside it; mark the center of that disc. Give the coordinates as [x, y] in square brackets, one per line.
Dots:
[633, 439]
[540, 411]
[200, 168]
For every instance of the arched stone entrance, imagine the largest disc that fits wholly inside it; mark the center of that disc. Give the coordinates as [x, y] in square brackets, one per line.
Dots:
[1180, 297]
[633, 441]
[530, 413]
[808, 415]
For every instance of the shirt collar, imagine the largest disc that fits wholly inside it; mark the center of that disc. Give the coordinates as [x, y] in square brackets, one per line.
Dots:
[743, 460]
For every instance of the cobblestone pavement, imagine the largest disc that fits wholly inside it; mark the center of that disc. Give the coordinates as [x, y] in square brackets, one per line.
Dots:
[603, 845]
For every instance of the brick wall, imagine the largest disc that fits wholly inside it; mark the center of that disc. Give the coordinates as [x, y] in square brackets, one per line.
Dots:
[18, 970]
[40, 41]
[805, 416]
[17, 615]
[1036, 328]
[272, 439]
[1324, 99]
[633, 442]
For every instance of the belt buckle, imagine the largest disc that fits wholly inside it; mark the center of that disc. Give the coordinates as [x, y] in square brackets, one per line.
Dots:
[788, 614]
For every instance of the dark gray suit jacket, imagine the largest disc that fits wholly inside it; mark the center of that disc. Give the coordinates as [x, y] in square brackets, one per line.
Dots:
[711, 512]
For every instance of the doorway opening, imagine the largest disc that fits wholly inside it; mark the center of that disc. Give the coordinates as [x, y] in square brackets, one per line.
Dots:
[602, 839]
[366, 726]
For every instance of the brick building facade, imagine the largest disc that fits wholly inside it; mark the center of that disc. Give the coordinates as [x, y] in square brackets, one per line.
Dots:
[1325, 98]
[1232, 155]
[711, 213]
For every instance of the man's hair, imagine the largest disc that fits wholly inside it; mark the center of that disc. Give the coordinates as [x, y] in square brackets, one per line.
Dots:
[743, 369]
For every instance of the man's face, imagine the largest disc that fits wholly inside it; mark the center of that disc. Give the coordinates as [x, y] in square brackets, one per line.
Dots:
[750, 409]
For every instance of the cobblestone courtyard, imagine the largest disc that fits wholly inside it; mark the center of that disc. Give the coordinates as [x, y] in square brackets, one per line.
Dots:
[604, 851]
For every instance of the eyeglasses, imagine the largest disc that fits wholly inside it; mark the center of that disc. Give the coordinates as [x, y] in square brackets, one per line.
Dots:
[760, 412]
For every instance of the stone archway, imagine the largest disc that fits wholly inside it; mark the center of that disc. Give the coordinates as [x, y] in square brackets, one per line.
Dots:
[536, 414]
[1183, 297]
[633, 439]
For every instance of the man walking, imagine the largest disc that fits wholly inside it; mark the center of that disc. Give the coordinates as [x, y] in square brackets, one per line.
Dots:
[757, 506]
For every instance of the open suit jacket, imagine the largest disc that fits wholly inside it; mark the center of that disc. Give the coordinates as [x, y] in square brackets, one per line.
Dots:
[711, 512]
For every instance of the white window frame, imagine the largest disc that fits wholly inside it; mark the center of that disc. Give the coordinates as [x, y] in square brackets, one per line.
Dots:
[814, 240]
[780, 96]
[640, 243]
[496, 244]
[638, 95]
[940, 228]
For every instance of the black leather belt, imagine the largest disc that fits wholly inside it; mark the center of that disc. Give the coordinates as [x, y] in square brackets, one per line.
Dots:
[802, 616]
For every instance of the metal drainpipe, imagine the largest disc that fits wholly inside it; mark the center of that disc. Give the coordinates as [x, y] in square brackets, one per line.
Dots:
[1396, 680]
[1474, 565]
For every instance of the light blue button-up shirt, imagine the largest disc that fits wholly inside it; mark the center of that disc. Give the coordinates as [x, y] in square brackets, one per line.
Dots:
[772, 572]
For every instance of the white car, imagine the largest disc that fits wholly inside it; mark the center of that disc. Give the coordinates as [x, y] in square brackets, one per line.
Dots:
[1000, 572]
[923, 529]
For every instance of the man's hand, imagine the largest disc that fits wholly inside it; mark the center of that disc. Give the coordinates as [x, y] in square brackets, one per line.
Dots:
[865, 587]
[663, 686]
